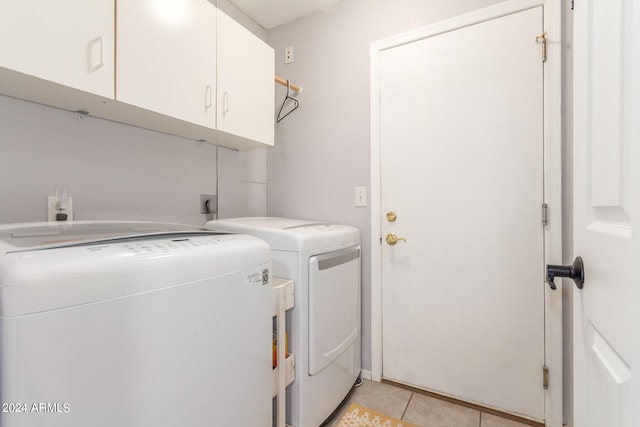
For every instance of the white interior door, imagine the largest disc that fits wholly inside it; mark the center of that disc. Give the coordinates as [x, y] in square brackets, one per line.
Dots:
[607, 213]
[461, 137]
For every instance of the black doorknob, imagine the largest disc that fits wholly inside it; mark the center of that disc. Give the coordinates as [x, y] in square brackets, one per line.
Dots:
[574, 271]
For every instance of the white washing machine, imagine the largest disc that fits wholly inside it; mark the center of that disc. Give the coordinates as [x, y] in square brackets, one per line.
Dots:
[133, 324]
[324, 262]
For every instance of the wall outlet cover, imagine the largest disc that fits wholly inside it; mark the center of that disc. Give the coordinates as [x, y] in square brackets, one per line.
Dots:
[288, 55]
[52, 211]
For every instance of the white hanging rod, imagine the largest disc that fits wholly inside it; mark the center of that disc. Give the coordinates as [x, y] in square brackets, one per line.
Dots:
[283, 82]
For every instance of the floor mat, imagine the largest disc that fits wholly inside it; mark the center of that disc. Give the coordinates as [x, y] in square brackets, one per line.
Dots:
[359, 416]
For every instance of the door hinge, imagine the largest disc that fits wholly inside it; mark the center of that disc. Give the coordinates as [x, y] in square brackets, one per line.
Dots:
[545, 377]
[542, 38]
[545, 214]
[571, 4]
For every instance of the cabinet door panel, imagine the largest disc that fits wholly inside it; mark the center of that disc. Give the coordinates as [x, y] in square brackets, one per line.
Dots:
[245, 82]
[64, 41]
[166, 57]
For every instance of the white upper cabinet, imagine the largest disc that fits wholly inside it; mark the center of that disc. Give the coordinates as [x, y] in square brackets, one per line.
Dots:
[166, 58]
[155, 64]
[68, 42]
[245, 94]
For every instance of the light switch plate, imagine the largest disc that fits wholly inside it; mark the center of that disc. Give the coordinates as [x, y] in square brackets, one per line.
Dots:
[361, 196]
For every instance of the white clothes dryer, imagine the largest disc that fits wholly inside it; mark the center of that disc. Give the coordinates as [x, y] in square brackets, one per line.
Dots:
[324, 262]
[133, 324]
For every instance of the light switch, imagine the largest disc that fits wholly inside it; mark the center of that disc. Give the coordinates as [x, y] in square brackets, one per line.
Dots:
[361, 196]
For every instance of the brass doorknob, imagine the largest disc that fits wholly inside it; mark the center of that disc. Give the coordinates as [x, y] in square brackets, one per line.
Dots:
[391, 216]
[392, 239]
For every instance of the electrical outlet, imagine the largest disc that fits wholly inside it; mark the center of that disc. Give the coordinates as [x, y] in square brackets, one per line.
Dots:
[53, 211]
[288, 55]
[361, 196]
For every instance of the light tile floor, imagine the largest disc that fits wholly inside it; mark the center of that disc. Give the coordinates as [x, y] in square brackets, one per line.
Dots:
[416, 408]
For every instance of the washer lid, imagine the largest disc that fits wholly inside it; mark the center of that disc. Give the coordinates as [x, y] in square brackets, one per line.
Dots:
[296, 235]
[45, 235]
[47, 267]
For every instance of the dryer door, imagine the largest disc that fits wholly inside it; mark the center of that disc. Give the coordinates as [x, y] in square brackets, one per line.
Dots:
[334, 305]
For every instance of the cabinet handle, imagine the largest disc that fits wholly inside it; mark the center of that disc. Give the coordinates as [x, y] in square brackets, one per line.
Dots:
[225, 103]
[99, 41]
[101, 52]
[207, 98]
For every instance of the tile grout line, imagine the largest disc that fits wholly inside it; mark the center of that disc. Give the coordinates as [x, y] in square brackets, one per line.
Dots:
[480, 423]
[407, 406]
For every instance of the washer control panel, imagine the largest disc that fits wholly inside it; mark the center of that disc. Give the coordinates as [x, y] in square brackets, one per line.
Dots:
[171, 245]
[165, 245]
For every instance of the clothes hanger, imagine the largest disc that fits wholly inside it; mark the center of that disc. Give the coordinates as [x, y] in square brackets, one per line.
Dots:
[288, 97]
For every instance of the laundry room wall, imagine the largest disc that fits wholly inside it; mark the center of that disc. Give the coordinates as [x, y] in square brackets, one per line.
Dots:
[322, 149]
[116, 171]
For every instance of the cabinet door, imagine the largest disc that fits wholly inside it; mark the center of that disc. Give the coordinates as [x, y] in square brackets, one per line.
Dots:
[166, 57]
[69, 42]
[245, 83]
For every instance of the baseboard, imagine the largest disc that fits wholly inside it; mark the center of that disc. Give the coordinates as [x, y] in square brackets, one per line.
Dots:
[365, 375]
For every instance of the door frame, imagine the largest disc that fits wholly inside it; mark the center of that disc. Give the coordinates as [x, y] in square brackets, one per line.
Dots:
[552, 81]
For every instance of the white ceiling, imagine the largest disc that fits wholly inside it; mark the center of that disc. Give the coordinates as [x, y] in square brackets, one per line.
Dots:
[271, 13]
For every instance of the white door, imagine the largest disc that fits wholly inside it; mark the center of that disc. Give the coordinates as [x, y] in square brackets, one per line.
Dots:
[462, 168]
[607, 213]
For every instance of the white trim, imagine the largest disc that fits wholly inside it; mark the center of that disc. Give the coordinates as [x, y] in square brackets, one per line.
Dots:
[376, 233]
[553, 197]
[492, 12]
[365, 375]
[552, 189]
